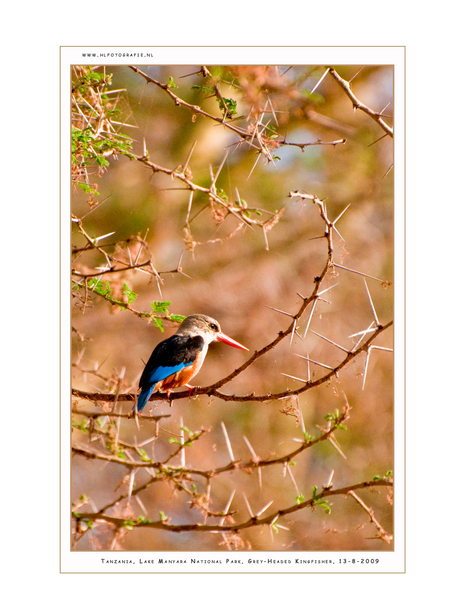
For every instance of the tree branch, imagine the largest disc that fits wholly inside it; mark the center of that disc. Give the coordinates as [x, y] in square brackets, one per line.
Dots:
[357, 104]
[253, 521]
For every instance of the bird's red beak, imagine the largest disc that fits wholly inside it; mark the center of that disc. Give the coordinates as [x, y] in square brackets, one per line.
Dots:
[223, 338]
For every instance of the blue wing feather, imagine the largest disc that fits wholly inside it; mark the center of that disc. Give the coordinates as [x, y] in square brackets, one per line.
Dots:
[161, 372]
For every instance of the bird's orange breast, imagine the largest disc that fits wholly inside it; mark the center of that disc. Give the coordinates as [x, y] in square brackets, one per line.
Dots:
[179, 378]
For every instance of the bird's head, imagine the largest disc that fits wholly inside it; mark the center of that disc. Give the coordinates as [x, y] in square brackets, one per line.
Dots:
[208, 328]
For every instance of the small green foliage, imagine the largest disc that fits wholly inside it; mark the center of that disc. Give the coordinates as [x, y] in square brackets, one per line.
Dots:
[163, 517]
[161, 306]
[115, 449]
[91, 145]
[78, 516]
[171, 83]
[142, 521]
[307, 437]
[270, 132]
[318, 501]
[91, 79]
[192, 436]
[222, 195]
[335, 418]
[158, 323]
[300, 498]
[102, 288]
[129, 292]
[230, 104]
[206, 89]
[82, 426]
[226, 105]
[99, 287]
[143, 455]
[88, 189]
[388, 475]
[326, 507]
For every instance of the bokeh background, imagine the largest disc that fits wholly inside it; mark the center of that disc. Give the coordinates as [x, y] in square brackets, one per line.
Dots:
[234, 280]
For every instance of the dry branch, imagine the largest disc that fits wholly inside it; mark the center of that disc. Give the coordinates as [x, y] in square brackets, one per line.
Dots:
[250, 523]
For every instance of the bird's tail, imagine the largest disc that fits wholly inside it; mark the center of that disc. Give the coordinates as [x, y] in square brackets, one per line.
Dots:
[143, 397]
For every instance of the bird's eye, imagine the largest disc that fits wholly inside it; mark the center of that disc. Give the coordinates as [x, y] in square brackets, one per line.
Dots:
[214, 327]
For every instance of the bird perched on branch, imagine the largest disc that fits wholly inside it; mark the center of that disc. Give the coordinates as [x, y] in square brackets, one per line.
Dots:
[178, 358]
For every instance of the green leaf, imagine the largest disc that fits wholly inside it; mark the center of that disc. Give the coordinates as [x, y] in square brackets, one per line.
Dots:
[222, 195]
[320, 502]
[129, 292]
[100, 287]
[160, 306]
[158, 323]
[230, 104]
[325, 505]
[142, 521]
[206, 89]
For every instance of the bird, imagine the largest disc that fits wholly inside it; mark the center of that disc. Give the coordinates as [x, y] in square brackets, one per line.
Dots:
[178, 358]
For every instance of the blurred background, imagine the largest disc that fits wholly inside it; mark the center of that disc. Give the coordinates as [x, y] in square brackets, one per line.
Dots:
[232, 276]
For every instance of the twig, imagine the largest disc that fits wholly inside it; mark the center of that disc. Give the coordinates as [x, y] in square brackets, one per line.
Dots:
[384, 535]
[357, 104]
[253, 521]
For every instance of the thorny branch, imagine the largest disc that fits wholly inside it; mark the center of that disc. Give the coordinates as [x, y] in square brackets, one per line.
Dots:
[233, 465]
[357, 104]
[263, 141]
[255, 135]
[213, 390]
[179, 476]
[250, 523]
[384, 535]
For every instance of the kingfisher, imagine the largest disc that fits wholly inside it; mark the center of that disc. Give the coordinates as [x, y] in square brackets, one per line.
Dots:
[178, 358]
